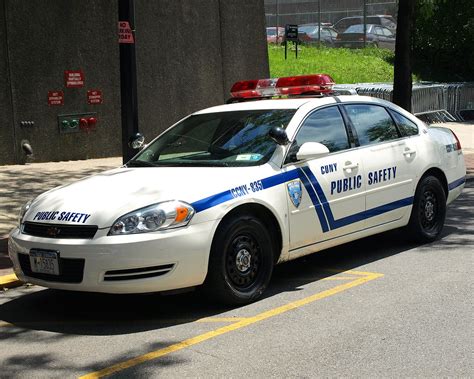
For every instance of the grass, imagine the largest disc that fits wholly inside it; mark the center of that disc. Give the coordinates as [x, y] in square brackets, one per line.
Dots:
[343, 65]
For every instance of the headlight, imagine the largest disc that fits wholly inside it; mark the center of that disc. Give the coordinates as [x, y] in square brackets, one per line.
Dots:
[23, 210]
[161, 216]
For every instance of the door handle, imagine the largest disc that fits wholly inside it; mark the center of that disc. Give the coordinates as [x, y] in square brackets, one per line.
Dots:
[408, 152]
[349, 166]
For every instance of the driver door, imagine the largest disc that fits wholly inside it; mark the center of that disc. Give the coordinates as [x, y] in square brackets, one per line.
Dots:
[332, 200]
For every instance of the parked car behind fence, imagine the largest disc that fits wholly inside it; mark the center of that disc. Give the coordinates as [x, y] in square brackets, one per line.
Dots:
[328, 34]
[376, 36]
[382, 20]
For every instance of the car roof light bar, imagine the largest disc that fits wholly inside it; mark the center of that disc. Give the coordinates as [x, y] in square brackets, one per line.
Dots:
[286, 86]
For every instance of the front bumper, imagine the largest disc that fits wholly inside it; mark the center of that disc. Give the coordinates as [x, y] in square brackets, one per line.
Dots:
[139, 263]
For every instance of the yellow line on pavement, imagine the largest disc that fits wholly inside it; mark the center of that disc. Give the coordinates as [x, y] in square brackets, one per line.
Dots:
[367, 276]
[221, 319]
[8, 280]
[339, 278]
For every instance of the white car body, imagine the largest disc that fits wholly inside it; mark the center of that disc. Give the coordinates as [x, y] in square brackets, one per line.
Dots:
[179, 258]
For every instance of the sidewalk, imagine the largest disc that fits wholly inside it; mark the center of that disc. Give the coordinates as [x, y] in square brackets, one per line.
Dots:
[22, 183]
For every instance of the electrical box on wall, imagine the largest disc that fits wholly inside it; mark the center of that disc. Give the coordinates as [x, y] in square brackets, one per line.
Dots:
[75, 123]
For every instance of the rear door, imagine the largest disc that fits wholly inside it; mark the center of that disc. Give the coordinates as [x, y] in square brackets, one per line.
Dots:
[390, 163]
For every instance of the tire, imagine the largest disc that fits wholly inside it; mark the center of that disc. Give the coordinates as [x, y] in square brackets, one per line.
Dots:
[241, 261]
[429, 210]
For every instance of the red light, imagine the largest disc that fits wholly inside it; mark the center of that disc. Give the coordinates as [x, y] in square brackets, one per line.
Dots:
[83, 123]
[291, 85]
[245, 88]
[92, 122]
[296, 85]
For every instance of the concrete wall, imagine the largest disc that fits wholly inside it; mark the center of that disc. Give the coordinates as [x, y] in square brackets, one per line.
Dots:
[7, 144]
[189, 52]
[46, 38]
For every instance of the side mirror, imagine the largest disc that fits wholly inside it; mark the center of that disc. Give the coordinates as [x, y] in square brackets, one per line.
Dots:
[311, 150]
[278, 134]
[136, 141]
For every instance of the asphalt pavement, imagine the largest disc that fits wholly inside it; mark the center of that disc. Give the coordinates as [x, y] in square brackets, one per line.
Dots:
[21, 183]
[380, 307]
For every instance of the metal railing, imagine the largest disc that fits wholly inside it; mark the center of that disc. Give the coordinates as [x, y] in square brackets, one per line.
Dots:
[434, 102]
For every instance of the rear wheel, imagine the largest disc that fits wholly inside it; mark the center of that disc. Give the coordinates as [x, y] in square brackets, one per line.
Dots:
[429, 210]
[241, 261]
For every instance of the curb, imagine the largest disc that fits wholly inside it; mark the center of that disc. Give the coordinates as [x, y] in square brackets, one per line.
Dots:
[9, 281]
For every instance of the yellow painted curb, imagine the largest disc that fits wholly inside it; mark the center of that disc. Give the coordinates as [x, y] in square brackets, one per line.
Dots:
[9, 281]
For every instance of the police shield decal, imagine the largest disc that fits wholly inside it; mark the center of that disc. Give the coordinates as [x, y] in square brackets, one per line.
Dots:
[295, 192]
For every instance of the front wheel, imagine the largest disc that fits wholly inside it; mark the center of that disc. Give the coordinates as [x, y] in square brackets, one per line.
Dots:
[429, 210]
[241, 261]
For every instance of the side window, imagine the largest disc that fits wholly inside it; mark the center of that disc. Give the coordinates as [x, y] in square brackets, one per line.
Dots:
[325, 33]
[325, 126]
[387, 32]
[372, 123]
[406, 126]
[378, 31]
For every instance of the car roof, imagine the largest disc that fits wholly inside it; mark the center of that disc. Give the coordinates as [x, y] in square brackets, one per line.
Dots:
[371, 16]
[285, 103]
[258, 105]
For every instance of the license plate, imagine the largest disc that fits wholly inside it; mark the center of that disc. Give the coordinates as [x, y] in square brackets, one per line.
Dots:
[44, 262]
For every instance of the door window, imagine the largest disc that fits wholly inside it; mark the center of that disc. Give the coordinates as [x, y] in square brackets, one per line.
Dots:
[325, 126]
[372, 123]
[407, 127]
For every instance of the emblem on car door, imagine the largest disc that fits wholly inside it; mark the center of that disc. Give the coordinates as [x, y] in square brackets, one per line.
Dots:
[295, 192]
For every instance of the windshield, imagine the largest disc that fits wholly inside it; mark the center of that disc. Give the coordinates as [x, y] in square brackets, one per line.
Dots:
[233, 139]
[308, 29]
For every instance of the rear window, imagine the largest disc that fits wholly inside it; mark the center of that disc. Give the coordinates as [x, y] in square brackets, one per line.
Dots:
[406, 126]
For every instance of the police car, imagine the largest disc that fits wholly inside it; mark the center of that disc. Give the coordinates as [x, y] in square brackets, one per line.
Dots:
[228, 192]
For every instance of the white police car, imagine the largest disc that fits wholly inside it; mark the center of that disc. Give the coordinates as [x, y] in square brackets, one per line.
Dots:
[229, 191]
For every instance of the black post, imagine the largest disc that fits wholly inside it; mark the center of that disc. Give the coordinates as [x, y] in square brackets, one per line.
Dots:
[319, 23]
[402, 82]
[128, 81]
[365, 22]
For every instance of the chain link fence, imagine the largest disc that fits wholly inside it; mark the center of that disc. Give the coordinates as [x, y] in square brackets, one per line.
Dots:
[282, 12]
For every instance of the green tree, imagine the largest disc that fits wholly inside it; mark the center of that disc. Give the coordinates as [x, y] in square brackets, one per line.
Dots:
[443, 40]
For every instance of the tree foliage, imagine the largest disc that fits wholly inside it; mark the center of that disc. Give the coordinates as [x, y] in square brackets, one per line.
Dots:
[443, 40]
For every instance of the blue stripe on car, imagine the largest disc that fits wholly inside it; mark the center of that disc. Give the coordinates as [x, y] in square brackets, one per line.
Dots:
[318, 198]
[457, 183]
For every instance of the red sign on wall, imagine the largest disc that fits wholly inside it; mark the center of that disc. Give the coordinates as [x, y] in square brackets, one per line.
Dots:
[74, 79]
[94, 96]
[55, 98]
[125, 32]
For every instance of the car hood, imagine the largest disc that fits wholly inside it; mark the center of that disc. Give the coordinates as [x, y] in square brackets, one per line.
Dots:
[101, 199]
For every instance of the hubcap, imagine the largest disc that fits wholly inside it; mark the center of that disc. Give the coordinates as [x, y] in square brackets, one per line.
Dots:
[429, 210]
[242, 260]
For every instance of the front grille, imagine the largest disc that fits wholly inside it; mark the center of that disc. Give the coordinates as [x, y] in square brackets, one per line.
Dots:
[59, 231]
[71, 270]
[138, 273]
